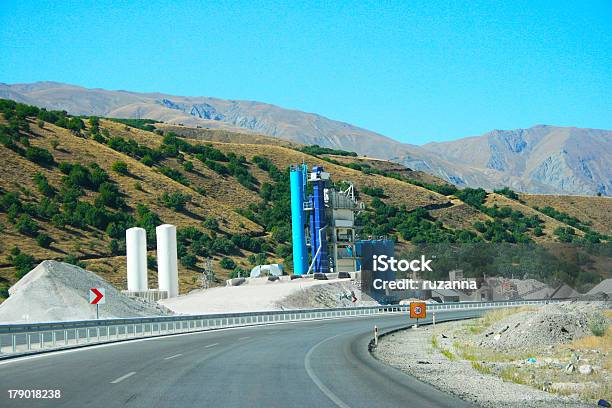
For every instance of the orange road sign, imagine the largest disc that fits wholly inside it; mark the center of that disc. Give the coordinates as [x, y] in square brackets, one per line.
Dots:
[418, 310]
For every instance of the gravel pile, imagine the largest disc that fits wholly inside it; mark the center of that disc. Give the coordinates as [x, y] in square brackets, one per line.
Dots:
[56, 291]
[338, 294]
[549, 325]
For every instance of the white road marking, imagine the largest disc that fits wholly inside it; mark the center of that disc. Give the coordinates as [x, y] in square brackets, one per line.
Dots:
[244, 338]
[123, 377]
[328, 393]
[174, 356]
[211, 345]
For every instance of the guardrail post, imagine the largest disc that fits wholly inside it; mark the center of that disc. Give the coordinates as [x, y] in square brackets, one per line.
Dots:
[14, 341]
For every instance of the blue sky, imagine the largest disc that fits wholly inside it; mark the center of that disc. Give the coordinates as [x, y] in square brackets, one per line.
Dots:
[416, 71]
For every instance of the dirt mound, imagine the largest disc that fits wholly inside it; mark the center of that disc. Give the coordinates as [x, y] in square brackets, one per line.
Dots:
[338, 294]
[56, 291]
[548, 325]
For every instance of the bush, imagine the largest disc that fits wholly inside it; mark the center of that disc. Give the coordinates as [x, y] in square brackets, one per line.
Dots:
[189, 261]
[188, 166]
[42, 183]
[374, 191]
[74, 260]
[227, 263]
[27, 226]
[598, 326]
[176, 200]
[40, 156]
[4, 293]
[120, 167]
[238, 272]
[113, 246]
[22, 262]
[174, 175]
[506, 191]
[44, 240]
[211, 224]
[110, 196]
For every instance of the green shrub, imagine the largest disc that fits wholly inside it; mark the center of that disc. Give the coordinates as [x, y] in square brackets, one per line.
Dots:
[27, 226]
[44, 240]
[39, 155]
[174, 175]
[22, 262]
[188, 166]
[374, 191]
[42, 183]
[74, 260]
[175, 200]
[598, 326]
[211, 224]
[227, 263]
[506, 191]
[189, 261]
[120, 167]
[238, 272]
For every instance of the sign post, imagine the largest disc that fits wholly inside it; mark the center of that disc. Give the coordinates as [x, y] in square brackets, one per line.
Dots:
[418, 310]
[97, 297]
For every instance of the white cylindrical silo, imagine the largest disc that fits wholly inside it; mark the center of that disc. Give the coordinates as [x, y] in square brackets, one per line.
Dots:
[167, 259]
[136, 250]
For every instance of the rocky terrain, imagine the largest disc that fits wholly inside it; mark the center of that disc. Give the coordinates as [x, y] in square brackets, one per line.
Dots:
[541, 159]
[557, 355]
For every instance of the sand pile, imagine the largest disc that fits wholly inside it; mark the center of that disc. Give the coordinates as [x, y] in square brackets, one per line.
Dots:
[56, 291]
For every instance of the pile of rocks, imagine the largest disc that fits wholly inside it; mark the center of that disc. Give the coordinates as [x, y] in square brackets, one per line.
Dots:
[549, 325]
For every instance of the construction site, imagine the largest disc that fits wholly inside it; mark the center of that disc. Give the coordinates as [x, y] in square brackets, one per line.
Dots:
[332, 267]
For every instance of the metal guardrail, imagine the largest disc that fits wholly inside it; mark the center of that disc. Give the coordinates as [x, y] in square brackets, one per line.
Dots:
[39, 337]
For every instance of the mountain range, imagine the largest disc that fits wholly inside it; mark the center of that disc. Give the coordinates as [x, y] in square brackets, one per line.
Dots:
[541, 159]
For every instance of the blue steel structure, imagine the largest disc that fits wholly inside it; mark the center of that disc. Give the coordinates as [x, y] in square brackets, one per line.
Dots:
[318, 221]
[298, 219]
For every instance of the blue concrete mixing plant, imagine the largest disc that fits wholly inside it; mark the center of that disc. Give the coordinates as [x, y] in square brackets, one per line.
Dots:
[298, 220]
[318, 237]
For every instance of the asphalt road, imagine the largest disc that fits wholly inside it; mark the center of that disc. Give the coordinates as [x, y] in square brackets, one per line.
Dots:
[309, 364]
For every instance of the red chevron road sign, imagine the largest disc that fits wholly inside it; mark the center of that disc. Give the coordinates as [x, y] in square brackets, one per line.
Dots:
[96, 296]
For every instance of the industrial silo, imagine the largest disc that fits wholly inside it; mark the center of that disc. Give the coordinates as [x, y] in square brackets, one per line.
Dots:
[167, 259]
[136, 251]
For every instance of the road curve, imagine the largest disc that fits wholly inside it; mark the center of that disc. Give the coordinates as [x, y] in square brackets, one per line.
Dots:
[319, 364]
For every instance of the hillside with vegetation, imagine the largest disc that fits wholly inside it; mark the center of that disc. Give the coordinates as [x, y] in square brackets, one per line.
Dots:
[72, 185]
